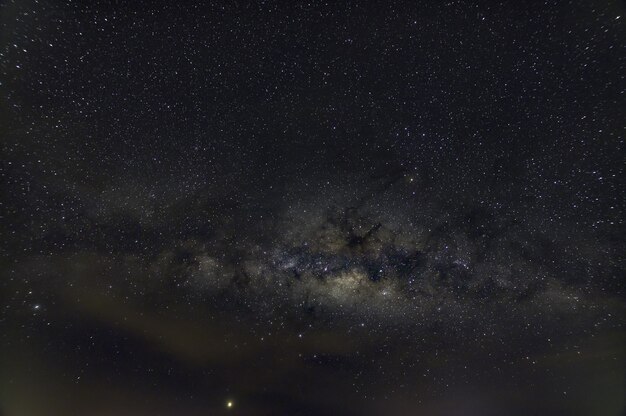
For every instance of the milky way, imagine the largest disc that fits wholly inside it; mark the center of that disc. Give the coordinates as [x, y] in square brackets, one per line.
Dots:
[312, 209]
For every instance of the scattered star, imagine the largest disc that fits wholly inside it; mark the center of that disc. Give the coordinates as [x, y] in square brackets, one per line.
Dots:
[323, 208]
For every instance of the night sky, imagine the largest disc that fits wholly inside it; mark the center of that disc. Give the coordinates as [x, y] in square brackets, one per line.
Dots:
[312, 208]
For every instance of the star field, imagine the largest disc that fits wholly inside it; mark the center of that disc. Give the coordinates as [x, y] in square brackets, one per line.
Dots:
[312, 208]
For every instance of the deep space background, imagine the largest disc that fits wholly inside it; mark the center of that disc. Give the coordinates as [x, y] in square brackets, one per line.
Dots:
[312, 208]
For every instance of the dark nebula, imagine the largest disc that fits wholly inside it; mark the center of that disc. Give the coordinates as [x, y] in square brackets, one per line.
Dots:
[322, 208]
